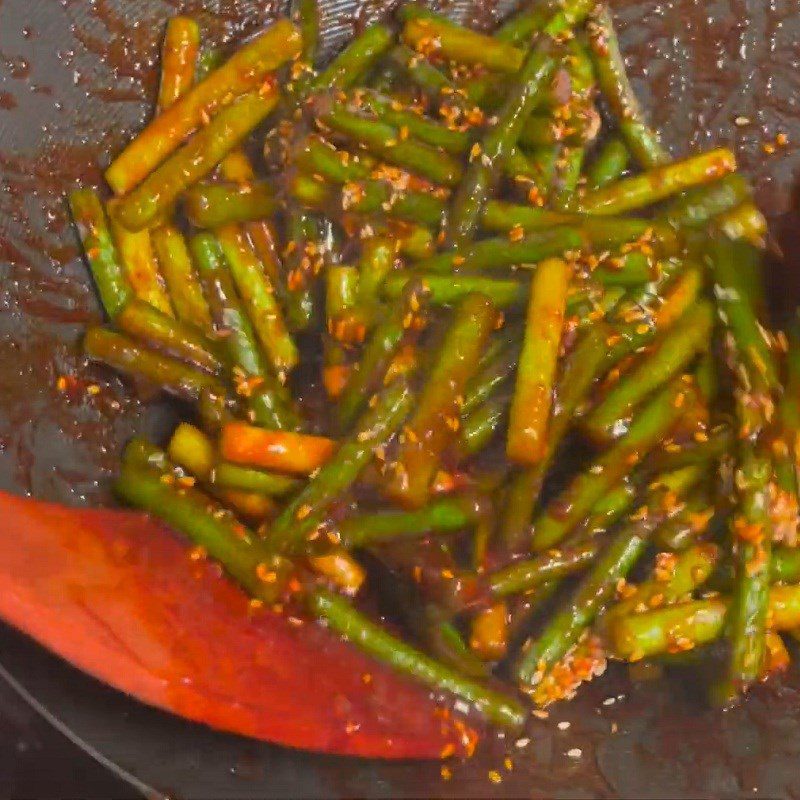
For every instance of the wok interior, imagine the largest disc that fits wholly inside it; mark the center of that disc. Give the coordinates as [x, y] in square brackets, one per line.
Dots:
[77, 79]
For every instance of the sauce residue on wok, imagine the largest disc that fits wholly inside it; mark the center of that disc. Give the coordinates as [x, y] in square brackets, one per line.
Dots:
[704, 66]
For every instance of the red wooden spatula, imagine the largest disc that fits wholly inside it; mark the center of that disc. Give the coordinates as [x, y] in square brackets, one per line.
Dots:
[118, 595]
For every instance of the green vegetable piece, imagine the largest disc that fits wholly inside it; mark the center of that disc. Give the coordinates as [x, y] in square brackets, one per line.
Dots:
[302, 516]
[609, 164]
[427, 77]
[550, 565]
[270, 403]
[244, 72]
[383, 343]
[482, 175]
[456, 43]
[248, 479]
[157, 193]
[343, 618]
[315, 156]
[209, 205]
[98, 247]
[178, 58]
[180, 277]
[503, 252]
[752, 536]
[497, 365]
[355, 60]
[569, 166]
[691, 569]
[579, 372]
[443, 289]
[570, 508]
[659, 183]
[479, 427]
[520, 27]
[527, 438]
[420, 127]
[732, 288]
[135, 361]
[672, 353]
[308, 21]
[693, 624]
[744, 222]
[597, 232]
[367, 197]
[595, 591]
[138, 258]
[609, 67]
[698, 206]
[435, 419]
[384, 140]
[238, 550]
[651, 633]
[447, 515]
[258, 295]
[161, 332]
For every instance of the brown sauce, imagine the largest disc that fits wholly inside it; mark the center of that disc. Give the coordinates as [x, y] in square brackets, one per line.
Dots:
[698, 66]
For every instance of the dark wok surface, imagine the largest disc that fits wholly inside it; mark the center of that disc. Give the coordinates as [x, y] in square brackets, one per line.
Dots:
[76, 78]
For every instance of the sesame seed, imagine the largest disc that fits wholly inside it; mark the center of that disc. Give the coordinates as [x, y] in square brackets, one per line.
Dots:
[197, 553]
[461, 707]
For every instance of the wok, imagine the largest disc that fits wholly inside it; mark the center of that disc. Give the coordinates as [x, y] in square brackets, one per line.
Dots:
[76, 79]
